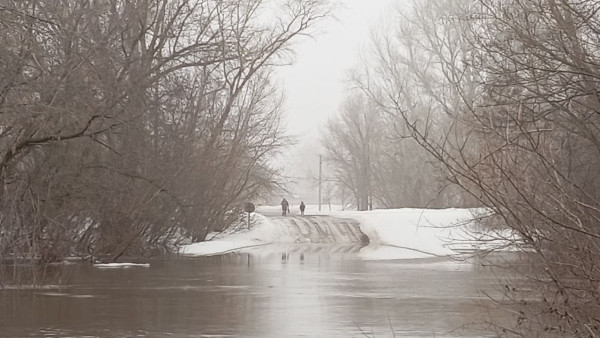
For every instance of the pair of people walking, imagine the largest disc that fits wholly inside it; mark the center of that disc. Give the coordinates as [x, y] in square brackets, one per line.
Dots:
[285, 207]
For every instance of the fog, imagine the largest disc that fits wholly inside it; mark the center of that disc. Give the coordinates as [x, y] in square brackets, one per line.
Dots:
[315, 83]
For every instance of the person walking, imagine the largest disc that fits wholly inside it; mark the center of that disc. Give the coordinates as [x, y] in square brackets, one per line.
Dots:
[285, 207]
[302, 207]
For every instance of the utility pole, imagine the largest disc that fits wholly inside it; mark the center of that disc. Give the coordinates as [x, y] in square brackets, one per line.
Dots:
[320, 167]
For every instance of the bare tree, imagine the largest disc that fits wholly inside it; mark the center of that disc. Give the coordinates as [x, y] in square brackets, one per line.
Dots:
[503, 94]
[372, 155]
[349, 141]
[126, 124]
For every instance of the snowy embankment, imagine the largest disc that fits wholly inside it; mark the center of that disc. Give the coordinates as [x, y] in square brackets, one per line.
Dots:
[121, 265]
[393, 233]
[417, 233]
[262, 232]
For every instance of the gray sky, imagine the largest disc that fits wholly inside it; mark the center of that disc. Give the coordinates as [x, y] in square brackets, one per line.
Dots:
[314, 85]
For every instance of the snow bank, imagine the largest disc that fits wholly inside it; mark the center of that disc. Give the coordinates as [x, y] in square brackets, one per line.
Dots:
[121, 265]
[311, 209]
[263, 232]
[393, 233]
[416, 233]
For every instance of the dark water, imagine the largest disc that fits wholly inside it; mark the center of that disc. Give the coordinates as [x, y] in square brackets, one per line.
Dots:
[310, 291]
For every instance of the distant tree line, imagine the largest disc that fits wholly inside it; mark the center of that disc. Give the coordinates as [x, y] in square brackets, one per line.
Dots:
[502, 98]
[127, 124]
[373, 157]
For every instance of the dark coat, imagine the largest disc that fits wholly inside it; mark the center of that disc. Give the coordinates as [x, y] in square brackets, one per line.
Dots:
[284, 204]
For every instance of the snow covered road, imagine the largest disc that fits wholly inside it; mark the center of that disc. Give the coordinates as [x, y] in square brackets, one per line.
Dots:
[391, 233]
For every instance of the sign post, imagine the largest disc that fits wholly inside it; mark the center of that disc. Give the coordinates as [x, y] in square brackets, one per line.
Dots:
[248, 208]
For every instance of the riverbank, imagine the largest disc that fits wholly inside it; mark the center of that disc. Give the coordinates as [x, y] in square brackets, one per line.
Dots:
[392, 233]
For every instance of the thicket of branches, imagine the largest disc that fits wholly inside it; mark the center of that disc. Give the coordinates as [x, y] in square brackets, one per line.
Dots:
[503, 94]
[126, 124]
[382, 168]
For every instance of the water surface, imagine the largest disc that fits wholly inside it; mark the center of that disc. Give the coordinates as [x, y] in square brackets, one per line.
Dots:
[287, 291]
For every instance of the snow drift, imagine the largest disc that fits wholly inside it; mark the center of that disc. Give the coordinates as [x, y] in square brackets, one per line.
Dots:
[391, 233]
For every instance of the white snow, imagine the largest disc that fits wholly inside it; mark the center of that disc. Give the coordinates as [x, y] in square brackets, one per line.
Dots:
[61, 294]
[311, 209]
[417, 233]
[393, 233]
[121, 265]
[263, 232]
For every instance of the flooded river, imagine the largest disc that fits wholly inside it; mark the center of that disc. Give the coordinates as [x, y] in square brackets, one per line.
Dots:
[294, 291]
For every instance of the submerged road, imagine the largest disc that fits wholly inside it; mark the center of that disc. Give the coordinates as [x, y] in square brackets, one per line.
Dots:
[321, 229]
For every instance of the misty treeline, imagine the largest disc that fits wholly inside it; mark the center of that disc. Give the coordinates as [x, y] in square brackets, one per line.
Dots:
[127, 124]
[501, 97]
[382, 167]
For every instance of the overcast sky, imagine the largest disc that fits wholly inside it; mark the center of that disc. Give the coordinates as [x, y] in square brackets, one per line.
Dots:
[314, 84]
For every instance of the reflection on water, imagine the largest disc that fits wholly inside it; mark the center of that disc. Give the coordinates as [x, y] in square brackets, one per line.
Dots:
[301, 290]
